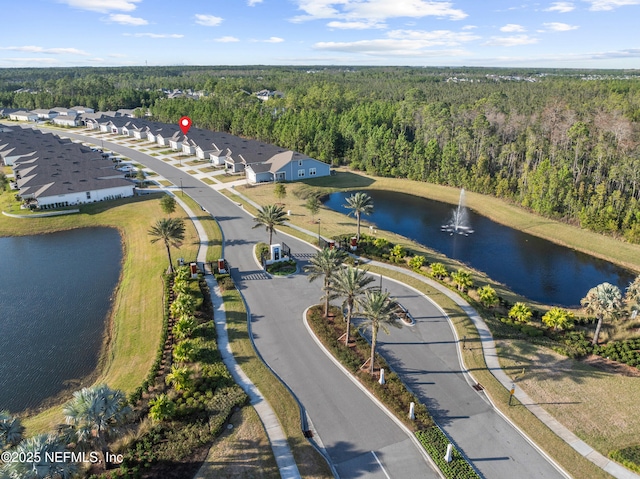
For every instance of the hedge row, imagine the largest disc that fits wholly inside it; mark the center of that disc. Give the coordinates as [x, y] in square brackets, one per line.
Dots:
[435, 442]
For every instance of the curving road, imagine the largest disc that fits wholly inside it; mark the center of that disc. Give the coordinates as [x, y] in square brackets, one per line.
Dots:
[349, 424]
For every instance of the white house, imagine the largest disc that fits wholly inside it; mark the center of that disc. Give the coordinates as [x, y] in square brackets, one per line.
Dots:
[22, 115]
[82, 110]
[66, 120]
[219, 157]
[44, 114]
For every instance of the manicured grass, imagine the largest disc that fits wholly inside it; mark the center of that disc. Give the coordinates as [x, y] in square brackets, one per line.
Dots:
[208, 181]
[214, 250]
[191, 172]
[571, 461]
[310, 463]
[598, 406]
[136, 318]
[229, 178]
[243, 452]
[165, 183]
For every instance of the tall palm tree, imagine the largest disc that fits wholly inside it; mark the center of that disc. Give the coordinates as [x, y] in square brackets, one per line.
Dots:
[270, 216]
[378, 310]
[171, 232]
[11, 430]
[605, 302]
[360, 204]
[95, 413]
[350, 283]
[42, 447]
[324, 265]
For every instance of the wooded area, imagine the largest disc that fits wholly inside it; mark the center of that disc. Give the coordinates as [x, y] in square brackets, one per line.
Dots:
[563, 143]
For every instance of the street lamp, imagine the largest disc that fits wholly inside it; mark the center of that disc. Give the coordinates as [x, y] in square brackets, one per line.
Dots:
[318, 232]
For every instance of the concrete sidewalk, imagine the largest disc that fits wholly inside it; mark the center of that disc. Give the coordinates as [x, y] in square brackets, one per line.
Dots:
[277, 438]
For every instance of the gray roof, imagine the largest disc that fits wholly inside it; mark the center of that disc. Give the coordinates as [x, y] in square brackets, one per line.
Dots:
[58, 166]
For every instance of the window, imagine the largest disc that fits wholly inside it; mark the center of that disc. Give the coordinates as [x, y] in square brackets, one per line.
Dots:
[300, 173]
[299, 162]
[88, 195]
[312, 172]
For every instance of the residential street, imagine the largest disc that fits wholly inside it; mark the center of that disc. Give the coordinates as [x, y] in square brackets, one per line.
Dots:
[349, 424]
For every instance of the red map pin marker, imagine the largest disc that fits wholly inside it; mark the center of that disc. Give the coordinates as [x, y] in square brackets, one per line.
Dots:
[185, 124]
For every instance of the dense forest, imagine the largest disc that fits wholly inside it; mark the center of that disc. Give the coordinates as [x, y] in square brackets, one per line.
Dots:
[565, 144]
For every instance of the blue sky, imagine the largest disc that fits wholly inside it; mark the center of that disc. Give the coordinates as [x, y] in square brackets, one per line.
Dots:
[567, 34]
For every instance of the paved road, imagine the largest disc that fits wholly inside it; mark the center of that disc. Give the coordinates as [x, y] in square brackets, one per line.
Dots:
[347, 421]
[349, 424]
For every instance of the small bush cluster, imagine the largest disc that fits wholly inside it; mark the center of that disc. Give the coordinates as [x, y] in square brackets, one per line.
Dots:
[435, 442]
[282, 268]
[628, 457]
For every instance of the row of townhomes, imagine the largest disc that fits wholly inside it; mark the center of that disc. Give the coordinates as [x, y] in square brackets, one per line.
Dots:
[50, 172]
[261, 162]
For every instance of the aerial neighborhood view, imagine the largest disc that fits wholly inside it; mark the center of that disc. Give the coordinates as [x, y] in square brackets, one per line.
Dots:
[320, 239]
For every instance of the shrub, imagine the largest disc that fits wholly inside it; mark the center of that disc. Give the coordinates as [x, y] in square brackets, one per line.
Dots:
[439, 271]
[416, 262]
[162, 408]
[520, 312]
[629, 457]
[435, 442]
[488, 296]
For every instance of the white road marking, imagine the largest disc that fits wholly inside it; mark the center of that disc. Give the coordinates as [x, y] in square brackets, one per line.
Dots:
[380, 464]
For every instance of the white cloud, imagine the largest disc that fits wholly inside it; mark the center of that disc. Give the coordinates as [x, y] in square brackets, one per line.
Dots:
[469, 27]
[154, 35]
[102, 6]
[512, 41]
[406, 43]
[208, 20]
[599, 5]
[274, 40]
[512, 27]
[560, 27]
[355, 25]
[376, 11]
[30, 61]
[561, 7]
[52, 51]
[124, 19]
[226, 39]
[253, 3]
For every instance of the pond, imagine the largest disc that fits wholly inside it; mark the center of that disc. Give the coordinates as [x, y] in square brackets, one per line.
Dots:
[55, 298]
[530, 266]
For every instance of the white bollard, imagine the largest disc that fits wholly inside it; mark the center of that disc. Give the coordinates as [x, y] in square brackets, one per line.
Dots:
[288, 212]
[412, 411]
[449, 454]
[381, 380]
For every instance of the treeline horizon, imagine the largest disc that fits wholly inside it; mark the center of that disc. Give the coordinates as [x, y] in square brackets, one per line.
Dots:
[562, 143]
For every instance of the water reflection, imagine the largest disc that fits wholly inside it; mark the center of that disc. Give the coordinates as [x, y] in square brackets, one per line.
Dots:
[55, 293]
[530, 266]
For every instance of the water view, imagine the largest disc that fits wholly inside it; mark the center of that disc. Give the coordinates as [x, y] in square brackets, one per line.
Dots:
[530, 266]
[55, 296]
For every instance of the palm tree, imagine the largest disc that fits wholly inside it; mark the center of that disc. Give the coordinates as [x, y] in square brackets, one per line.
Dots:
[378, 311]
[558, 318]
[463, 279]
[324, 264]
[161, 408]
[184, 304]
[488, 296]
[605, 302]
[11, 429]
[270, 216]
[520, 312]
[95, 413]
[360, 204]
[438, 270]
[185, 351]
[184, 326]
[350, 283]
[632, 297]
[44, 448]
[180, 377]
[171, 232]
